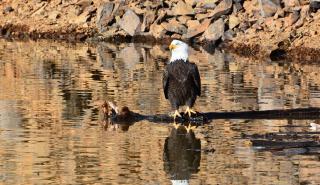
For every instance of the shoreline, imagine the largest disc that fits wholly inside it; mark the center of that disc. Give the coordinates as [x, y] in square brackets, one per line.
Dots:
[275, 29]
[256, 51]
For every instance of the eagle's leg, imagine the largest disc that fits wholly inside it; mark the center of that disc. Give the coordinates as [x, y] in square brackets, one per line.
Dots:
[190, 127]
[189, 111]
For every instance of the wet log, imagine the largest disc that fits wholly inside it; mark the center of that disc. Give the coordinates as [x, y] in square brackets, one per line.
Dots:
[125, 115]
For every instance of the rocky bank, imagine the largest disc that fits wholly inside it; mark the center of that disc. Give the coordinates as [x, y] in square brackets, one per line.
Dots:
[270, 26]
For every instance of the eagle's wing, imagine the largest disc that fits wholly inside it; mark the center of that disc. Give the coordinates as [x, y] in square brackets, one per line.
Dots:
[196, 78]
[165, 82]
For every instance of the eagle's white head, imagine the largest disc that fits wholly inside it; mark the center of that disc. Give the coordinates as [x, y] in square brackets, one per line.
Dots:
[179, 50]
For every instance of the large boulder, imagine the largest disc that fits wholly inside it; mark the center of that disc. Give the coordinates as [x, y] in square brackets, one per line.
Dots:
[130, 23]
[215, 31]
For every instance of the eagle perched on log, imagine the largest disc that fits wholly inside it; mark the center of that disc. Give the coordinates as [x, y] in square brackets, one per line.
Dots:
[181, 79]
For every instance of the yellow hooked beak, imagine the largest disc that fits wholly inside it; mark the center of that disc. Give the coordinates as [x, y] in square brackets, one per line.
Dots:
[172, 47]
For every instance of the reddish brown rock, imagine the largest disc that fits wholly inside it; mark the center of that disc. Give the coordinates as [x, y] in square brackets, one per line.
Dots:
[198, 30]
[223, 8]
[193, 24]
[174, 26]
[157, 31]
[183, 19]
[182, 8]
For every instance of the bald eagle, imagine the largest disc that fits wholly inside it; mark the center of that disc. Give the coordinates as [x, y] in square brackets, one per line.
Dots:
[181, 79]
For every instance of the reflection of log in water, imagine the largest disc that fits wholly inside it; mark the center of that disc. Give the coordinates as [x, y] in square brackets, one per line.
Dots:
[182, 153]
[287, 143]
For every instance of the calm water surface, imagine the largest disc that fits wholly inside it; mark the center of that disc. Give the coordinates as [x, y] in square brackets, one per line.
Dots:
[49, 117]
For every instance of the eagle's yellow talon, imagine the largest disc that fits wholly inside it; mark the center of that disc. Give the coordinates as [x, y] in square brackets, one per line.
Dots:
[176, 126]
[190, 127]
[189, 111]
[176, 113]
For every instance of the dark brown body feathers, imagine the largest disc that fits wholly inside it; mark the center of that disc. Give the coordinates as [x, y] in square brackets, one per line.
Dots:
[181, 83]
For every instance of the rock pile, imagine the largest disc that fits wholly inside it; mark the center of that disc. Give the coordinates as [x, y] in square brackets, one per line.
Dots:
[201, 20]
[191, 20]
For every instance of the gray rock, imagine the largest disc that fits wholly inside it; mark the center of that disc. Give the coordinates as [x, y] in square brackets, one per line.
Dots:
[269, 7]
[314, 5]
[228, 35]
[8, 9]
[215, 31]
[104, 16]
[130, 23]
[148, 19]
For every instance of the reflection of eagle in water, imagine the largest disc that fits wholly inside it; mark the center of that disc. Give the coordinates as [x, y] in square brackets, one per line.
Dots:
[181, 79]
[182, 154]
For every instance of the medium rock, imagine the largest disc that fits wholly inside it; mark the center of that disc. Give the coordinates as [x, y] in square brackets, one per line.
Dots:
[269, 7]
[233, 21]
[192, 32]
[279, 13]
[148, 19]
[215, 30]
[183, 19]
[130, 23]
[161, 14]
[104, 16]
[193, 23]
[237, 6]
[291, 3]
[228, 35]
[182, 8]
[244, 25]
[293, 18]
[314, 5]
[303, 15]
[207, 4]
[174, 26]
[157, 31]
[8, 9]
[192, 2]
[137, 10]
[223, 8]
